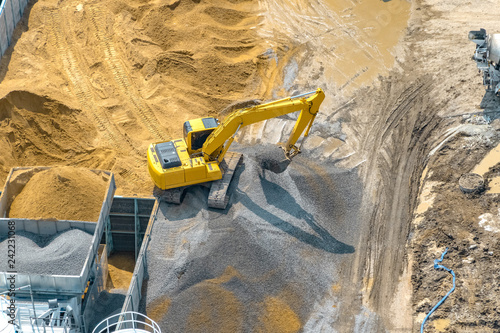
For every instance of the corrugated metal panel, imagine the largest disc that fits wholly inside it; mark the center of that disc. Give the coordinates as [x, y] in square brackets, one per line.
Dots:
[10, 13]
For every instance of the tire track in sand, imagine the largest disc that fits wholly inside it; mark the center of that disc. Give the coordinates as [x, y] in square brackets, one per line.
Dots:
[120, 75]
[80, 85]
[81, 89]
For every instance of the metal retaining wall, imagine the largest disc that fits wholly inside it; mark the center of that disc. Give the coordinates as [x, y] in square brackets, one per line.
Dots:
[61, 284]
[11, 12]
[134, 291]
[129, 218]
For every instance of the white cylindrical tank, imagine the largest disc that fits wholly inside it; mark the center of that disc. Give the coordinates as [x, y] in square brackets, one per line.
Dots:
[494, 47]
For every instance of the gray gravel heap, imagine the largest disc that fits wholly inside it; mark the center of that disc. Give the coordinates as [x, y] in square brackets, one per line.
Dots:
[279, 245]
[59, 254]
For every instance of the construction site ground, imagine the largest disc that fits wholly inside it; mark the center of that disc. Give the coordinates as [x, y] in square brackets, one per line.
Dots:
[344, 240]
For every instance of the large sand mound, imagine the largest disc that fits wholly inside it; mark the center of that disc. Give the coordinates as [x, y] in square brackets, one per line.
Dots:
[108, 78]
[63, 193]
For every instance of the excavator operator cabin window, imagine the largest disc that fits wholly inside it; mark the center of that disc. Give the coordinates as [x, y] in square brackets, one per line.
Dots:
[199, 138]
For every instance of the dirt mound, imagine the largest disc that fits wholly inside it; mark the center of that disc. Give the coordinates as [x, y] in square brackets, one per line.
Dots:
[62, 193]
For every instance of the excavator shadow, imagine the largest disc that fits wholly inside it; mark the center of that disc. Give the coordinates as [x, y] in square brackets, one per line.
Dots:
[281, 199]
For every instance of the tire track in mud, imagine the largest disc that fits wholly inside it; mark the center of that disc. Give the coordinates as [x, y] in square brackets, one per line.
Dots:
[120, 75]
[397, 146]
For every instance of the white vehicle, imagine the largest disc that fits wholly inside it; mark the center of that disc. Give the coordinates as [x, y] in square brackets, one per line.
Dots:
[487, 58]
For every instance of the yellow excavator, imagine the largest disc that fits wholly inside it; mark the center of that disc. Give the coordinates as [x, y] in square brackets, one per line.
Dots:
[202, 157]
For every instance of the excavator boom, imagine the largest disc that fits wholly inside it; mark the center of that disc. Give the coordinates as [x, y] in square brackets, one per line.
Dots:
[220, 139]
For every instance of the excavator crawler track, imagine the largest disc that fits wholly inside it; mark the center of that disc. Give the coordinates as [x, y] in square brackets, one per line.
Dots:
[218, 198]
[173, 195]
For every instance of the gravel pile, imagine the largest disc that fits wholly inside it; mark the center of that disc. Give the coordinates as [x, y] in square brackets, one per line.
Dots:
[272, 159]
[59, 254]
[263, 265]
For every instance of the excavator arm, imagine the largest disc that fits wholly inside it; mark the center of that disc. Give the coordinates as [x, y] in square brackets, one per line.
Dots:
[221, 138]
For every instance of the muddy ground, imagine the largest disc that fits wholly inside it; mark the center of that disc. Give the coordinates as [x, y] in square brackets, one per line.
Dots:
[394, 131]
[91, 84]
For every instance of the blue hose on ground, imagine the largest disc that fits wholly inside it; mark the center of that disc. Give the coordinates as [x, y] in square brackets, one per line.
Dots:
[437, 266]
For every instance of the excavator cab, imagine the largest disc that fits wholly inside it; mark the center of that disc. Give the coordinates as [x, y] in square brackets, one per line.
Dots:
[196, 132]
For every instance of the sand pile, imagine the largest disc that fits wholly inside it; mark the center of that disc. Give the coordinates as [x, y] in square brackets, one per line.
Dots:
[120, 267]
[62, 193]
[38, 130]
[62, 254]
[107, 78]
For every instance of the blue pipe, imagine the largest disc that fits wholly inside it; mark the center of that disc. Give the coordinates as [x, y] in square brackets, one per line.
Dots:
[438, 266]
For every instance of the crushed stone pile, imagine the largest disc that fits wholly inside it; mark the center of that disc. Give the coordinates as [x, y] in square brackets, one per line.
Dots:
[59, 254]
[107, 303]
[62, 193]
[272, 158]
[266, 263]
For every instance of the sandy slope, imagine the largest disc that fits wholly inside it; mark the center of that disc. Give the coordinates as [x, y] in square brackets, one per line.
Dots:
[120, 74]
